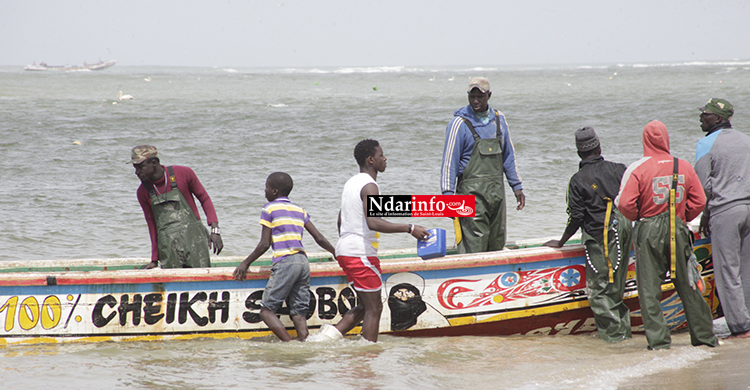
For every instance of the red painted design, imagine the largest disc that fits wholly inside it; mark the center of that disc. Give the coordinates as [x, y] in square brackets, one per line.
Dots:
[509, 286]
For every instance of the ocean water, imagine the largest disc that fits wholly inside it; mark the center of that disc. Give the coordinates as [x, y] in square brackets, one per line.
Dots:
[68, 193]
[568, 362]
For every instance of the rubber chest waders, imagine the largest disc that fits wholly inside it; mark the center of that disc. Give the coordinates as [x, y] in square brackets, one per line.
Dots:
[655, 257]
[610, 223]
[182, 238]
[611, 315]
[483, 178]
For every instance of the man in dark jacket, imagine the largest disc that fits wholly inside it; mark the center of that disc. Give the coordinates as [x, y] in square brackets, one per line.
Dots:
[606, 235]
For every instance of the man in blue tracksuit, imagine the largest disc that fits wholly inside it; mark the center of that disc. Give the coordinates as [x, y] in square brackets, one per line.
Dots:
[477, 152]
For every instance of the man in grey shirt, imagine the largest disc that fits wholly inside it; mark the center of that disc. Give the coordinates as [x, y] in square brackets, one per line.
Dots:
[722, 162]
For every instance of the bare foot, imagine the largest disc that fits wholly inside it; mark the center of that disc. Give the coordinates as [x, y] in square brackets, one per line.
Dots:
[742, 335]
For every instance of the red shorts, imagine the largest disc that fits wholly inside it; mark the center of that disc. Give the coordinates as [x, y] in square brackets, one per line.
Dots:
[363, 273]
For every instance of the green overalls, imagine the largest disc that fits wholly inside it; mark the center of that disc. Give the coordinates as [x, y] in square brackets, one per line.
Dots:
[607, 270]
[483, 178]
[182, 240]
[611, 315]
[658, 249]
[652, 253]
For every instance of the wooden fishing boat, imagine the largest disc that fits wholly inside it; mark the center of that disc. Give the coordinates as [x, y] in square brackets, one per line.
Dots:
[529, 290]
[101, 65]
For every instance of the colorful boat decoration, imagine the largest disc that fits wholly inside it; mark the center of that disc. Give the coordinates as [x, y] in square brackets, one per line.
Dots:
[101, 65]
[531, 290]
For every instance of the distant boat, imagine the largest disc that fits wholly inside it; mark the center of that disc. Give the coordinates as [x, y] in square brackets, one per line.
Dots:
[101, 65]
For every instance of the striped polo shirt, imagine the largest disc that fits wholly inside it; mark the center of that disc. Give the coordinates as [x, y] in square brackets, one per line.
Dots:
[287, 222]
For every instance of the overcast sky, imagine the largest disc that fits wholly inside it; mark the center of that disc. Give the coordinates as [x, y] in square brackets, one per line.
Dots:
[334, 33]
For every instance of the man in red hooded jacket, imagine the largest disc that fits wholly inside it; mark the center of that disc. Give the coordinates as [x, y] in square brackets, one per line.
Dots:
[645, 197]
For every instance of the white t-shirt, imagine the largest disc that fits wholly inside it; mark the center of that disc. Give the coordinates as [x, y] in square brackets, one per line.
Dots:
[355, 238]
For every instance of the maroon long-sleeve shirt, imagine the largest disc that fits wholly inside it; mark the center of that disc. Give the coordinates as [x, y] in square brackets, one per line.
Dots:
[189, 185]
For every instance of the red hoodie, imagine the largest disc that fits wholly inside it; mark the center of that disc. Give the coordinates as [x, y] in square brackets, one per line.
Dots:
[644, 190]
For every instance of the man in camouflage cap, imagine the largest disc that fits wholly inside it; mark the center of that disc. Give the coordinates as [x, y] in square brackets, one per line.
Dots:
[178, 238]
[477, 153]
[722, 162]
[720, 107]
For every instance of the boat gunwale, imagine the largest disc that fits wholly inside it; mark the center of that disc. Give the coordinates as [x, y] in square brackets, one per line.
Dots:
[317, 269]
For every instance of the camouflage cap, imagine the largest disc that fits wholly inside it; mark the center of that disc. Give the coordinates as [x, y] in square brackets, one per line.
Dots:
[479, 82]
[719, 107]
[141, 153]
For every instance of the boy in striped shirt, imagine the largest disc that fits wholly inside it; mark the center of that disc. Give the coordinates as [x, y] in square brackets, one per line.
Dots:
[283, 223]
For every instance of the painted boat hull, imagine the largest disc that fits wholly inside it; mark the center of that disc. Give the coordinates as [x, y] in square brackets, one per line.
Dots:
[528, 291]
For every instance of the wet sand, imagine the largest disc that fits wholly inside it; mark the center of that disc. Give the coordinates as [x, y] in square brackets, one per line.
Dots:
[728, 368]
